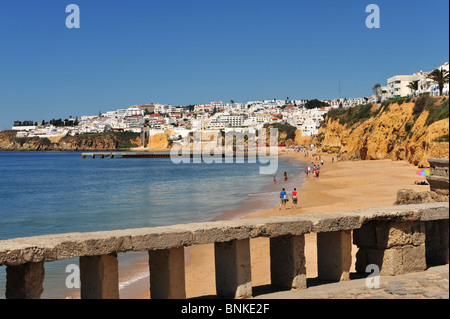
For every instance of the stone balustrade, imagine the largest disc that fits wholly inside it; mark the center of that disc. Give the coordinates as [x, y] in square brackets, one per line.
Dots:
[439, 175]
[399, 239]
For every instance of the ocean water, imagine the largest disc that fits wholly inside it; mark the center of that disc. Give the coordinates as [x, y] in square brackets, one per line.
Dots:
[52, 192]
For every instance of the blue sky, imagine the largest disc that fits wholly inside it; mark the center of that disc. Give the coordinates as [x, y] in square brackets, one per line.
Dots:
[196, 51]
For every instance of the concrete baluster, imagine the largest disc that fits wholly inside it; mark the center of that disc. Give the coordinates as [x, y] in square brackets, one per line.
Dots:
[25, 281]
[99, 276]
[334, 257]
[287, 262]
[233, 269]
[167, 274]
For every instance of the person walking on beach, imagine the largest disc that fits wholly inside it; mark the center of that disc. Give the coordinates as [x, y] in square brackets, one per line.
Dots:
[306, 172]
[283, 199]
[274, 180]
[294, 198]
[285, 176]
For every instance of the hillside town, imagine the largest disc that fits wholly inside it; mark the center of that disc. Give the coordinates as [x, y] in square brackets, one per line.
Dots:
[153, 118]
[181, 120]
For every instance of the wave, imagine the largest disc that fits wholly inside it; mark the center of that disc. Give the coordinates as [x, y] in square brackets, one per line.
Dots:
[133, 280]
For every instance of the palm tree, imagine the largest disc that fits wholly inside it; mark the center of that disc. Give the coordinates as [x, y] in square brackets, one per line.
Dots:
[440, 77]
[414, 86]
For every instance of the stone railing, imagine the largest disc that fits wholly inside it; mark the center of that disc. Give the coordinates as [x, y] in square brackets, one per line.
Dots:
[399, 239]
[439, 176]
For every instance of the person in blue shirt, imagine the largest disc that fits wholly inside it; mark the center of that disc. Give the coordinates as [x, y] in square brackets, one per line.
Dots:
[283, 199]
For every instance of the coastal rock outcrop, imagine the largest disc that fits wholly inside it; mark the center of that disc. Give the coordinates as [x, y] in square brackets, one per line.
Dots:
[158, 140]
[438, 181]
[83, 142]
[301, 140]
[409, 196]
[408, 129]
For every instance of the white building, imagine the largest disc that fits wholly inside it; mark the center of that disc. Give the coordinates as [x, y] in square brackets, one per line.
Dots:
[121, 112]
[309, 127]
[162, 108]
[263, 118]
[132, 111]
[110, 114]
[235, 120]
[429, 86]
[24, 128]
[397, 86]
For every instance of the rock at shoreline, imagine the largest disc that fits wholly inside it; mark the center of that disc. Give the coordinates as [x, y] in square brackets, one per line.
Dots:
[408, 196]
[83, 142]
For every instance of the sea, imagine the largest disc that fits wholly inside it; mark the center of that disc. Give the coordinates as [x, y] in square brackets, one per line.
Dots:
[45, 193]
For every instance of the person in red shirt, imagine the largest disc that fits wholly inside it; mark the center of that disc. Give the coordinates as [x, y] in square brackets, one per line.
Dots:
[294, 198]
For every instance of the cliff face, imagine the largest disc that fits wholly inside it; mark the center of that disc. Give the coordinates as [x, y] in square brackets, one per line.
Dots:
[397, 131]
[158, 141]
[85, 142]
[301, 140]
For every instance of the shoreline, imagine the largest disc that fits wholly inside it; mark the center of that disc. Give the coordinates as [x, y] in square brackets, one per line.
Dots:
[133, 266]
[343, 185]
[140, 289]
[85, 150]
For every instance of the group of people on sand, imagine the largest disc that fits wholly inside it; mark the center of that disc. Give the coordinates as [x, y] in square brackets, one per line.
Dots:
[284, 199]
[284, 196]
[315, 170]
[311, 169]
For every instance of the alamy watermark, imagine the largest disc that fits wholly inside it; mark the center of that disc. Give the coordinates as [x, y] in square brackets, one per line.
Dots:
[73, 279]
[373, 279]
[229, 147]
[73, 19]
[373, 19]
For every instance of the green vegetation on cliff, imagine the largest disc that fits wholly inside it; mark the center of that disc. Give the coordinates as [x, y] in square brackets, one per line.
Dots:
[350, 116]
[438, 109]
[285, 131]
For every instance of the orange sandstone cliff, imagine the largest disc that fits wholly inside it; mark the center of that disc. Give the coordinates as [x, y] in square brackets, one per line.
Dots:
[408, 129]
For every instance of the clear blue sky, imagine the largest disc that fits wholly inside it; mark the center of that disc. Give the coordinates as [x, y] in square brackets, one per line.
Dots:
[196, 51]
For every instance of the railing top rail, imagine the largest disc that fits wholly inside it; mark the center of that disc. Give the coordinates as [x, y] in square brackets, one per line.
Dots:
[48, 248]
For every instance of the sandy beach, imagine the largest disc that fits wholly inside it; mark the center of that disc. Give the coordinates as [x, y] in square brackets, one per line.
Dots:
[342, 185]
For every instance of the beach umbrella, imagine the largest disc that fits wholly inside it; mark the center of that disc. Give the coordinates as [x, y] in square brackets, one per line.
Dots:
[423, 172]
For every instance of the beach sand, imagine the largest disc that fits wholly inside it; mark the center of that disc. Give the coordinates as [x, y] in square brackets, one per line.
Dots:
[342, 185]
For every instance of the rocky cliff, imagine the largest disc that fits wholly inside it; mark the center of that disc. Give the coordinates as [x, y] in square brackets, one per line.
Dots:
[407, 129]
[84, 142]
